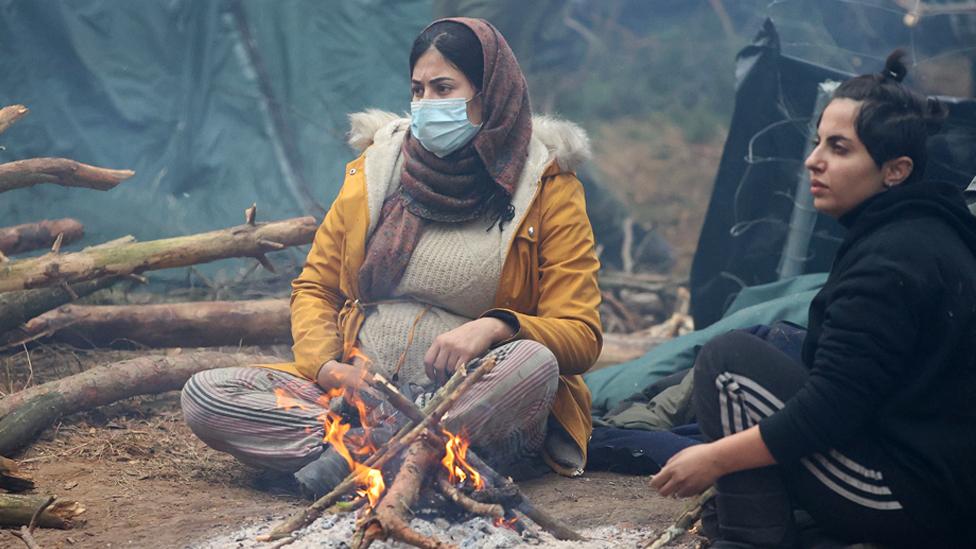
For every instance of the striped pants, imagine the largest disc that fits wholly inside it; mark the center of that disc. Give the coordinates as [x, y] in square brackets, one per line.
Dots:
[237, 410]
[740, 379]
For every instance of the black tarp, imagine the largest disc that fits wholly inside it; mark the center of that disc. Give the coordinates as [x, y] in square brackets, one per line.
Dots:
[748, 216]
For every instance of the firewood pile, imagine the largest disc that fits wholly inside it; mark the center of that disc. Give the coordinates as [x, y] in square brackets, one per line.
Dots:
[435, 464]
[39, 300]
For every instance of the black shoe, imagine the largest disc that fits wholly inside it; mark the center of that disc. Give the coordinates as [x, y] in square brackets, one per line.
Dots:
[322, 475]
[724, 544]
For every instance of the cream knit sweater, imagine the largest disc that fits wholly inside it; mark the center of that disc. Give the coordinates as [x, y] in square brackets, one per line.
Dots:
[455, 269]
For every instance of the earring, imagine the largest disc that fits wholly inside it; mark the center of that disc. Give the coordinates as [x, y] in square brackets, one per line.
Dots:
[887, 184]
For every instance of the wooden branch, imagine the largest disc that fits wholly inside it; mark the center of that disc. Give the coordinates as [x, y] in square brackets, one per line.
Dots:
[16, 308]
[24, 414]
[195, 324]
[500, 484]
[684, 522]
[459, 383]
[11, 114]
[17, 510]
[463, 501]
[619, 348]
[59, 171]
[136, 257]
[12, 479]
[35, 236]
[391, 517]
[646, 282]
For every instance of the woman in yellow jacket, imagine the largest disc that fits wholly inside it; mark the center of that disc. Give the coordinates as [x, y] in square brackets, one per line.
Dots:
[459, 232]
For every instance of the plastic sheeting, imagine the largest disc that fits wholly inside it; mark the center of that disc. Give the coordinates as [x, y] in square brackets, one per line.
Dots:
[169, 89]
[748, 217]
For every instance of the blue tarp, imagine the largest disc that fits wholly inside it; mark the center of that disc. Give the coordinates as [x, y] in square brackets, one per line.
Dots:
[787, 300]
[170, 90]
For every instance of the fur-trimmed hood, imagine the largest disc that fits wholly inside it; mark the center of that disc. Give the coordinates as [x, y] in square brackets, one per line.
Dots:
[567, 142]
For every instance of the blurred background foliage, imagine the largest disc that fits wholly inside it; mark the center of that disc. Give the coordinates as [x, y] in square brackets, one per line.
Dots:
[653, 81]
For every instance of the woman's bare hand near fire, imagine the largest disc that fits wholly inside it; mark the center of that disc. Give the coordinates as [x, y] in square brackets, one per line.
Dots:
[467, 341]
[337, 375]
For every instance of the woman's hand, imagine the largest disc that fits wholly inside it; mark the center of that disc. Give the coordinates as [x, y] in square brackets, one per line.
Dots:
[335, 375]
[692, 470]
[689, 472]
[467, 341]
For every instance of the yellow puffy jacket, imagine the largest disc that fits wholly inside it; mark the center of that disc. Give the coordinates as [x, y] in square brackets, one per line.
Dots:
[548, 279]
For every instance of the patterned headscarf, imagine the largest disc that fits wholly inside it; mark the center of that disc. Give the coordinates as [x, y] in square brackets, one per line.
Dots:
[462, 185]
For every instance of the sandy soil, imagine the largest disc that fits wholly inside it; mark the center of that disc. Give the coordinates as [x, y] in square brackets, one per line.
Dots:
[146, 481]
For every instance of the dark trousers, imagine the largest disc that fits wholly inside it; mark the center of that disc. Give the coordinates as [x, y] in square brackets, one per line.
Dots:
[740, 379]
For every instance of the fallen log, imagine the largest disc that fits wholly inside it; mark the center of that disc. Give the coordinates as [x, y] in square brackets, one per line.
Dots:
[12, 479]
[17, 308]
[11, 114]
[136, 257]
[26, 413]
[644, 282]
[204, 324]
[619, 348]
[35, 236]
[59, 171]
[194, 324]
[17, 510]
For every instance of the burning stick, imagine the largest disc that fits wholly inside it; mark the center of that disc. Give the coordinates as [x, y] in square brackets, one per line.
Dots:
[501, 484]
[388, 518]
[459, 383]
[475, 507]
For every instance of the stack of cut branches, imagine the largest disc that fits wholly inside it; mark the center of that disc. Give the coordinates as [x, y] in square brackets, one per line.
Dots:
[434, 461]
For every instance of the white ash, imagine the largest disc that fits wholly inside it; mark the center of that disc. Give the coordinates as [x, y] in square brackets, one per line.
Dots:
[335, 532]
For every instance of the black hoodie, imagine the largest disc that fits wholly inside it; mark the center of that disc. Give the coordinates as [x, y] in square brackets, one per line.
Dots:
[891, 350]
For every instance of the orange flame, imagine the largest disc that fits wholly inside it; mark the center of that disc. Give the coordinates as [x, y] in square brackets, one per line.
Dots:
[506, 523]
[357, 357]
[371, 480]
[455, 454]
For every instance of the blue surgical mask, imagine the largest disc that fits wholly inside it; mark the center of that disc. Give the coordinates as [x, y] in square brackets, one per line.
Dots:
[441, 125]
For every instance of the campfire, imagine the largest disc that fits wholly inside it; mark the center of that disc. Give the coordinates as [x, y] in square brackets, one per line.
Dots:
[438, 469]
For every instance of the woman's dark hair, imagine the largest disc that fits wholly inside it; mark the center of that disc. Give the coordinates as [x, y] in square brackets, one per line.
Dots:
[461, 47]
[893, 120]
[458, 44]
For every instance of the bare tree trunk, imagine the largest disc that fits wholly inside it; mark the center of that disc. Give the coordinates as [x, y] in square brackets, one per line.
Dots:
[35, 236]
[196, 324]
[24, 414]
[18, 511]
[59, 171]
[11, 114]
[16, 308]
[12, 479]
[100, 261]
[619, 348]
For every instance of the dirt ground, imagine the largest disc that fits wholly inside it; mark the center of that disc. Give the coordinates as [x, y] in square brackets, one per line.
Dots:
[146, 481]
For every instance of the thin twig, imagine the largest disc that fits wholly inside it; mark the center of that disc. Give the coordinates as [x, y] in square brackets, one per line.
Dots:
[684, 521]
[459, 383]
